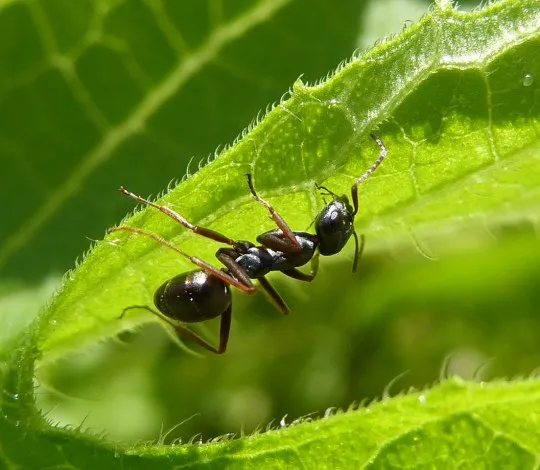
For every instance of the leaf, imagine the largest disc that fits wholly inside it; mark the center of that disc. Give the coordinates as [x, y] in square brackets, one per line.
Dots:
[440, 75]
[447, 93]
[403, 321]
[107, 93]
[496, 425]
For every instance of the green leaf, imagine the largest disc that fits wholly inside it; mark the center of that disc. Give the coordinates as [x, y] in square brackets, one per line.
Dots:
[487, 424]
[102, 93]
[462, 146]
[339, 345]
[451, 97]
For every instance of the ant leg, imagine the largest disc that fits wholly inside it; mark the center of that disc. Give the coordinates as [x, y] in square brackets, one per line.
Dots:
[367, 174]
[205, 232]
[183, 332]
[224, 330]
[358, 251]
[299, 275]
[133, 307]
[280, 222]
[275, 241]
[274, 295]
[240, 283]
[227, 258]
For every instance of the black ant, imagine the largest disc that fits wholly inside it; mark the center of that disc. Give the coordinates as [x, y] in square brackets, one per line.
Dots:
[204, 293]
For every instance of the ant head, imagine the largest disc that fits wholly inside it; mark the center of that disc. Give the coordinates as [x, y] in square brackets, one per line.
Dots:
[326, 192]
[334, 226]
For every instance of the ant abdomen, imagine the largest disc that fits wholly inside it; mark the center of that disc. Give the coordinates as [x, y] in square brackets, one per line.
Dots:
[193, 297]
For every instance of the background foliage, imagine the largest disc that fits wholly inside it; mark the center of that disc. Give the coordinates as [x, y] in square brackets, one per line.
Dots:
[84, 110]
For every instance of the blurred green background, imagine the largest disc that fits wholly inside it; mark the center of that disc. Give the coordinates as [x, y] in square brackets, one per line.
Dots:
[72, 72]
[402, 317]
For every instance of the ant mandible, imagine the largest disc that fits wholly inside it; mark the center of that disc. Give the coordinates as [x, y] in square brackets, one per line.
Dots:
[204, 293]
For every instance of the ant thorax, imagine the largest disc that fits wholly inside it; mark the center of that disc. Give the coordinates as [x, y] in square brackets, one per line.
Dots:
[260, 260]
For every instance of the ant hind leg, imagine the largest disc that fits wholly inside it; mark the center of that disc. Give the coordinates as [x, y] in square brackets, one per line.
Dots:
[183, 332]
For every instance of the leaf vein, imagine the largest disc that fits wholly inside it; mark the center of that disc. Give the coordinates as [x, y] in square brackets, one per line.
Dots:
[135, 123]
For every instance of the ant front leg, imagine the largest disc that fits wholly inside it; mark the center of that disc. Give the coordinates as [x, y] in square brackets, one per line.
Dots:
[294, 244]
[358, 250]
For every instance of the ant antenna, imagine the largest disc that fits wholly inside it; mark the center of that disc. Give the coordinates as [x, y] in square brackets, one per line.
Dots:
[327, 191]
[367, 174]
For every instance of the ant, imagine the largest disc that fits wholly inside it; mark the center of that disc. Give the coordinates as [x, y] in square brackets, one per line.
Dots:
[204, 293]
